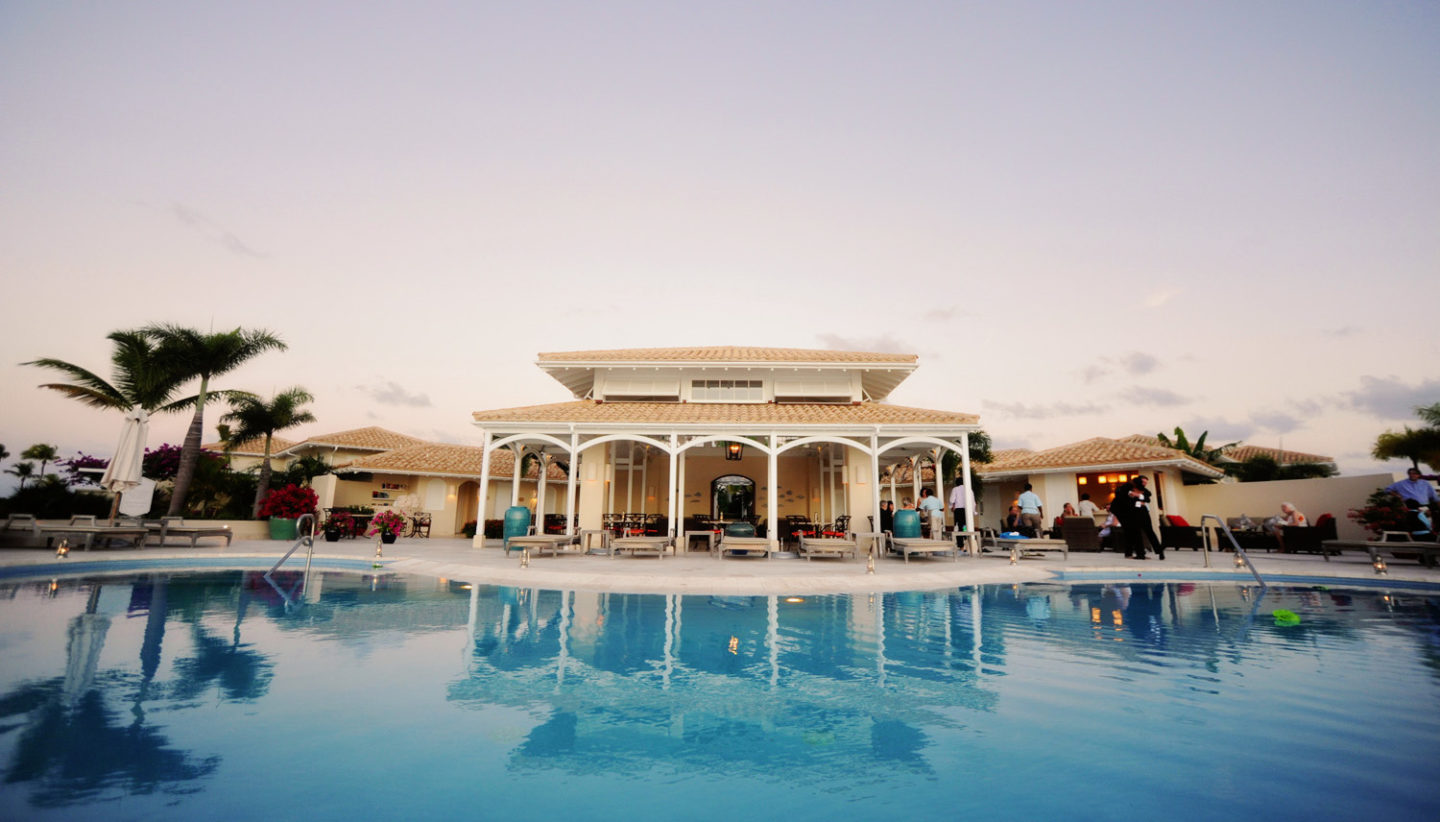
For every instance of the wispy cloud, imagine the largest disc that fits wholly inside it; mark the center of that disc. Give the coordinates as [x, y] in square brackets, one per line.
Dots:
[1220, 429]
[1138, 362]
[391, 393]
[212, 231]
[1155, 299]
[946, 314]
[1093, 373]
[1341, 332]
[1163, 397]
[1276, 421]
[1391, 399]
[1022, 411]
[883, 344]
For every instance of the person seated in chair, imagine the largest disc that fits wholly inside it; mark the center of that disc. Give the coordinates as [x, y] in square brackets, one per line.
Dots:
[1289, 515]
[1013, 522]
[1418, 523]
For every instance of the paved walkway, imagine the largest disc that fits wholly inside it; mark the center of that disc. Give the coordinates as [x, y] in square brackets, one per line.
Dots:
[701, 573]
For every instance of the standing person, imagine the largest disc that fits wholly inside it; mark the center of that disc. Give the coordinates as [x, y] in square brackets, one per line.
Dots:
[961, 500]
[887, 515]
[1032, 513]
[1088, 508]
[932, 513]
[1140, 492]
[1416, 488]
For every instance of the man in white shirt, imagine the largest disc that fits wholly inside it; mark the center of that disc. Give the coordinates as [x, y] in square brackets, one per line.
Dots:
[1086, 507]
[961, 499]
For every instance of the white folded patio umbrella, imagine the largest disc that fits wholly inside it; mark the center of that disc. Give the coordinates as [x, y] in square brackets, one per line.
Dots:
[123, 473]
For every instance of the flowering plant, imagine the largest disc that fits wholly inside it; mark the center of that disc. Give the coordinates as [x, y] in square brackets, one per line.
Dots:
[386, 522]
[290, 502]
[342, 521]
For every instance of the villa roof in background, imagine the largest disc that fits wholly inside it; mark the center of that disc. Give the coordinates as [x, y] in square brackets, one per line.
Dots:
[253, 447]
[443, 460]
[372, 438]
[1241, 452]
[726, 354]
[588, 412]
[1098, 454]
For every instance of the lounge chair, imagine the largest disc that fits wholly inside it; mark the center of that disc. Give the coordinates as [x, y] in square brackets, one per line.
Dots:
[905, 546]
[743, 547]
[1311, 539]
[84, 528]
[639, 546]
[811, 547]
[175, 526]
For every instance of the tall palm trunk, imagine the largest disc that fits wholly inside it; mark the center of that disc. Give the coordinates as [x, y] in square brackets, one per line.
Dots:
[189, 453]
[262, 483]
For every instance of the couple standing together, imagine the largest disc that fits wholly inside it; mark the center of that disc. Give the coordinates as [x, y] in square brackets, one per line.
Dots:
[1131, 508]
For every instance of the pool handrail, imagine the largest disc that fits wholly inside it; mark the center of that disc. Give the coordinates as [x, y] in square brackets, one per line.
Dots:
[306, 538]
[1220, 525]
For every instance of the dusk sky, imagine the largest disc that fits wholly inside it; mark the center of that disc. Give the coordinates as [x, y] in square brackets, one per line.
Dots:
[1087, 219]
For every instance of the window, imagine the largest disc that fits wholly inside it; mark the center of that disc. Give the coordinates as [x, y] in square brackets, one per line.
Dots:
[727, 391]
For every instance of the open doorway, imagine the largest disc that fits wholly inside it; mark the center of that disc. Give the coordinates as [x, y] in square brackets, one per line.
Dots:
[732, 497]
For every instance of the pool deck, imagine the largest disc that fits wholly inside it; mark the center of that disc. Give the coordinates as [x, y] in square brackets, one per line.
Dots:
[701, 573]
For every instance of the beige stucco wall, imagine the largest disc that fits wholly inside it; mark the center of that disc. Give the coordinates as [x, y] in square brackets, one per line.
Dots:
[1258, 500]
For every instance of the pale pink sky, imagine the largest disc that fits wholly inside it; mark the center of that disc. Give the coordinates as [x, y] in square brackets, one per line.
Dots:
[1087, 219]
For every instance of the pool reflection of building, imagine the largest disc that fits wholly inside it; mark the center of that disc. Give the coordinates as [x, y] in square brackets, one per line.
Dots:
[618, 681]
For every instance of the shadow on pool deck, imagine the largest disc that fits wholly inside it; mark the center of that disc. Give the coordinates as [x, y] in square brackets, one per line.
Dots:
[701, 573]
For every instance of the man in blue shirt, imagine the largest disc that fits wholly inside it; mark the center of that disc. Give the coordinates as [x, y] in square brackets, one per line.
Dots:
[932, 513]
[1413, 487]
[1031, 511]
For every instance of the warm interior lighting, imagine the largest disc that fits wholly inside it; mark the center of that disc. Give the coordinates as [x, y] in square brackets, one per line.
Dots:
[1102, 479]
[733, 451]
[1082, 480]
[794, 599]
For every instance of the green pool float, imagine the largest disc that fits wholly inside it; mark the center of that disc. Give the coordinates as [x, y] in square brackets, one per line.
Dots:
[1284, 617]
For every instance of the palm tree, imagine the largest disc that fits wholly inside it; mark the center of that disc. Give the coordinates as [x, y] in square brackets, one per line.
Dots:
[43, 452]
[23, 470]
[138, 379]
[252, 418]
[1196, 449]
[4, 455]
[198, 354]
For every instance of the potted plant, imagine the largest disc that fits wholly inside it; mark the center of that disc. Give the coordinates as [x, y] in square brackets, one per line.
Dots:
[388, 525]
[338, 525]
[285, 505]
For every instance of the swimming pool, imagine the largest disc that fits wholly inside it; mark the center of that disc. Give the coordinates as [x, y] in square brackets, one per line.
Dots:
[170, 696]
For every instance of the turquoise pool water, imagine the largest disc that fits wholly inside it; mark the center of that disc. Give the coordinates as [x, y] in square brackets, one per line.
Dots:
[207, 695]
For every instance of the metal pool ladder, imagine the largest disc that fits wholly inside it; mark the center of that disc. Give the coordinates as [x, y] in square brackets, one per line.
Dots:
[1240, 555]
[307, 539]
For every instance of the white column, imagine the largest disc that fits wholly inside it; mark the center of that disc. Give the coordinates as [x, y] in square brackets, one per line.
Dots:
[484, 507]
[684, 498]
[915, 479]
[674, 469]
[938, 532]
[969, 487]
[772, 497]
[875, 472]
[630, 480]
[571, 486]
[540, 491]
[519, 451]
[645, 480]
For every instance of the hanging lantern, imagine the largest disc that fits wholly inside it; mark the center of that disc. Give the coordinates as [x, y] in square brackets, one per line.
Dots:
[733, 450]
[1380, 566]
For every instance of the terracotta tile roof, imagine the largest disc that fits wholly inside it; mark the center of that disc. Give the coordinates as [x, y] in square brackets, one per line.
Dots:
[372, 438]
[254, 447]
[440, 460]
[1241, 453]
[661, 413]
[1099, 452]
[726, 354]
